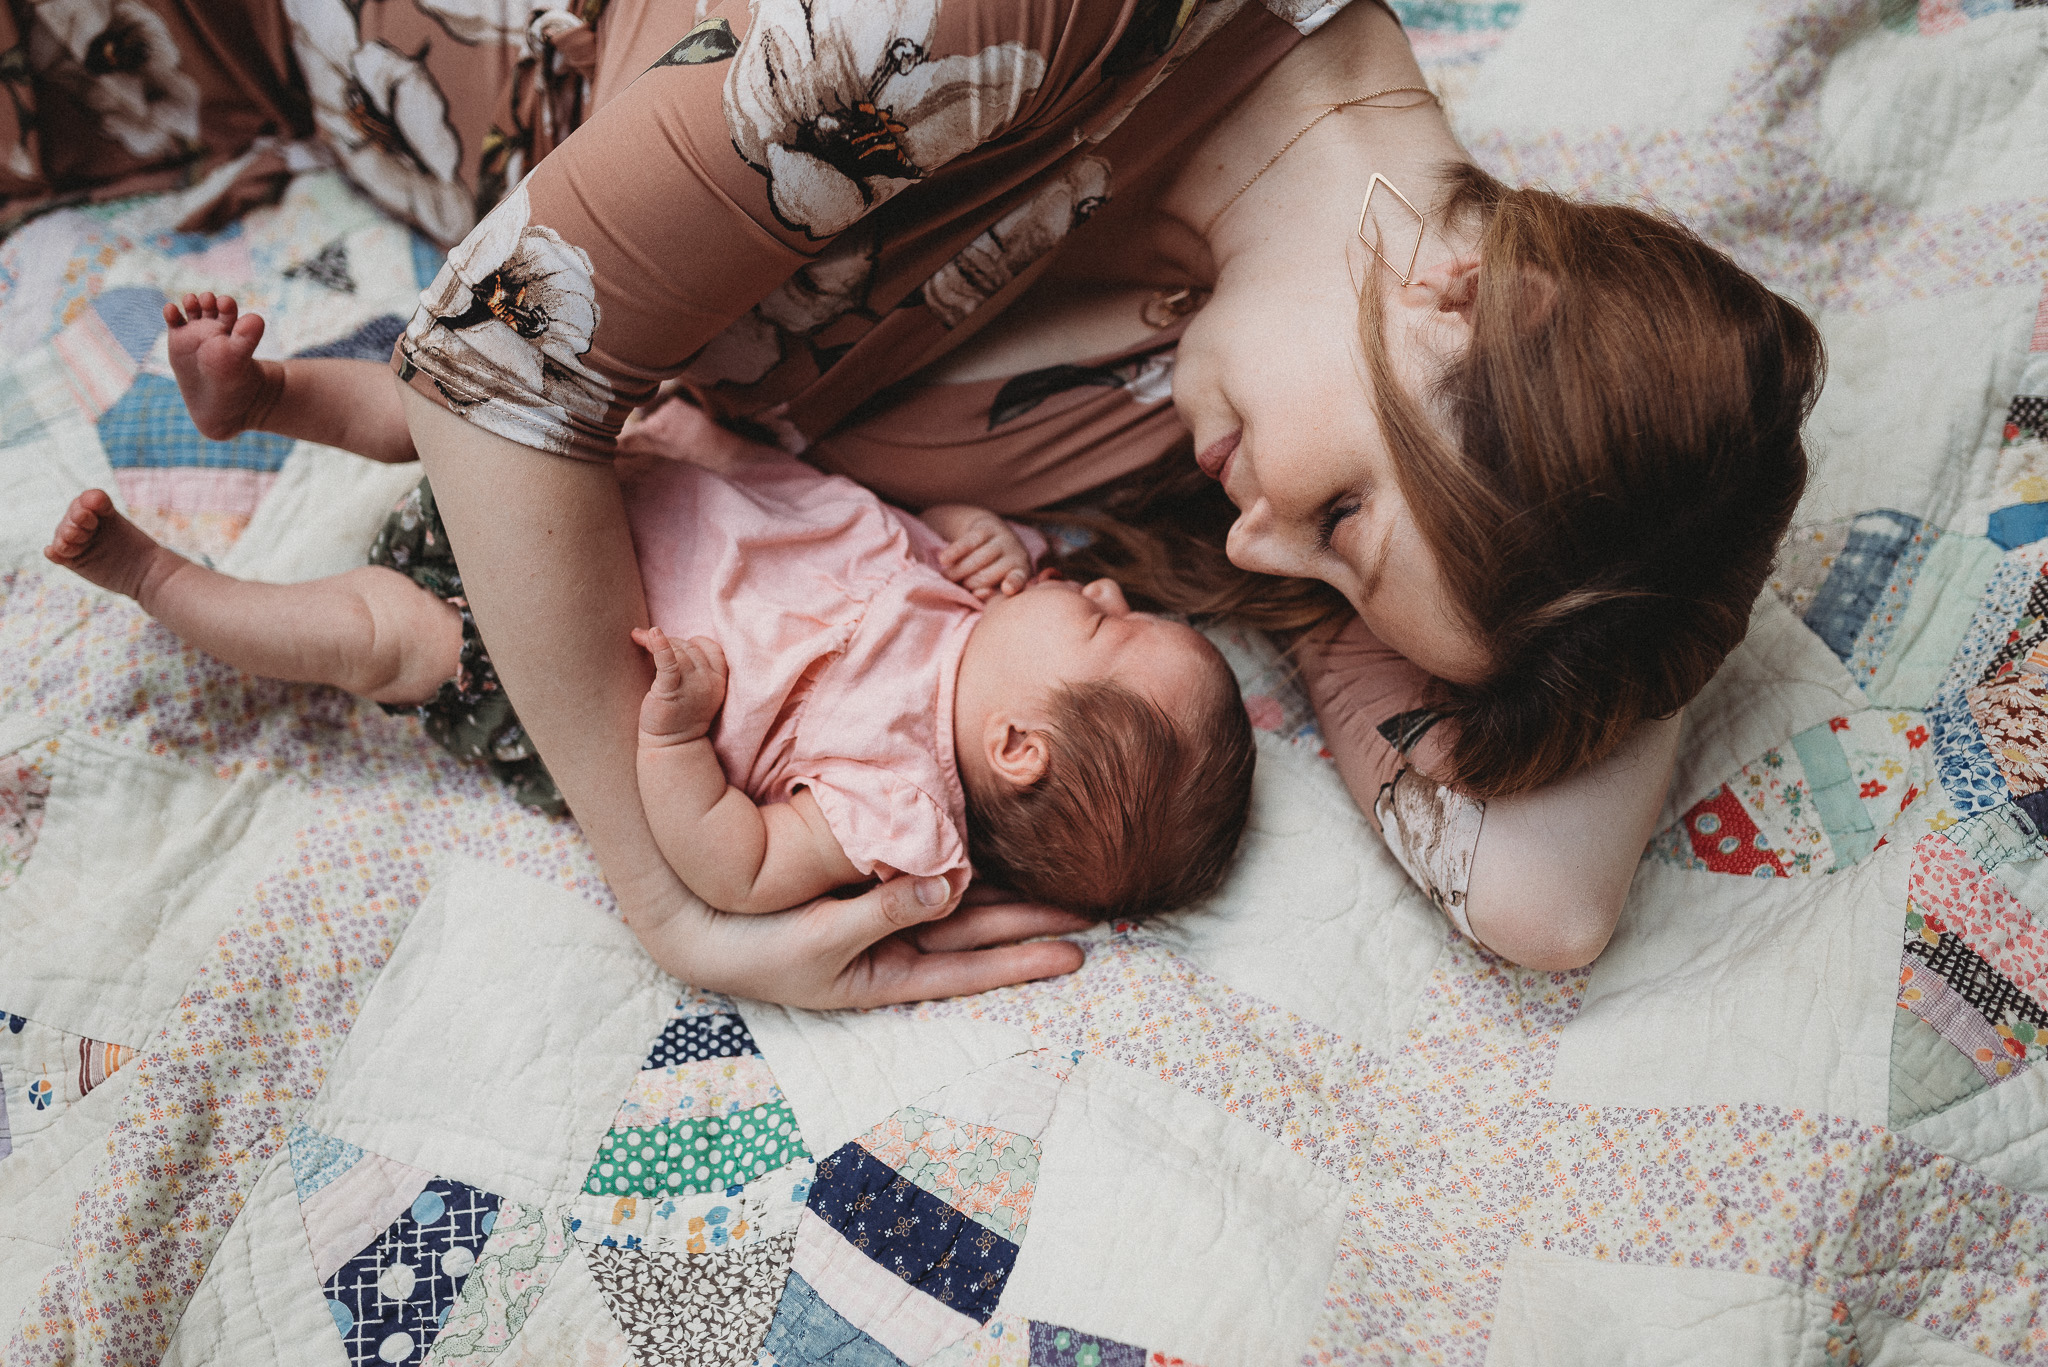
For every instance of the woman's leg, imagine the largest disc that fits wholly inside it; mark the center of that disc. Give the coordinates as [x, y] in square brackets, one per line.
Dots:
[347, 404]
[371, 631]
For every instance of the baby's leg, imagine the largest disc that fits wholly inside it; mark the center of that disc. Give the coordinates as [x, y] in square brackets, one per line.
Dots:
[350, 404]
[371, 631]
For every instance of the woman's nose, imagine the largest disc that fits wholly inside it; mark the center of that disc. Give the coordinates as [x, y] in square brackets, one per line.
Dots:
[1108, 595]
[1254, 544]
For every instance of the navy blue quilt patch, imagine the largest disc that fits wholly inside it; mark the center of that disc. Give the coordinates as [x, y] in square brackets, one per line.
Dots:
[391, 1299]
[688, 1039]
[911, 1232]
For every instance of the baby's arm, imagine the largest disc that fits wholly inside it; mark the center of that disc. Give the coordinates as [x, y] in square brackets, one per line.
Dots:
[736, 856]
[983, 555]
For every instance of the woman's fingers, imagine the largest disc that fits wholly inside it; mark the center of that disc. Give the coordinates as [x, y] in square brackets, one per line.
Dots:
[849, 953]
[996, 923]
[895, 971]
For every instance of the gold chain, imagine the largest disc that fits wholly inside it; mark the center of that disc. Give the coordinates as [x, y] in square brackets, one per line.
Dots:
[1289, 144]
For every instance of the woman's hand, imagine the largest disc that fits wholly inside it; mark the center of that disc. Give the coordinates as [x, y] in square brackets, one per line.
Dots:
[896, 942]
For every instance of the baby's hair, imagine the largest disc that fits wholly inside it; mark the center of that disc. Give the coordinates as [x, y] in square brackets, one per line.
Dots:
[1135, 813]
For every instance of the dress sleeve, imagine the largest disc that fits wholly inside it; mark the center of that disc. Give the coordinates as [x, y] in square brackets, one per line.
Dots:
[739, 151]
[882, 820]
[1370, 702]
[616, 258]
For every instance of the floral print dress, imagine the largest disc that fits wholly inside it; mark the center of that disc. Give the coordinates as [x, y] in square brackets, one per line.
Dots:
[792, 207]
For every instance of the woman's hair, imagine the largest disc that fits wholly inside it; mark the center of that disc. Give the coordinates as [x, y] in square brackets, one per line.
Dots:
[1603, 475]
[1136, 812]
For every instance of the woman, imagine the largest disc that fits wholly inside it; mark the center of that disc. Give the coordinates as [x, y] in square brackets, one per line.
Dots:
[1543, 452]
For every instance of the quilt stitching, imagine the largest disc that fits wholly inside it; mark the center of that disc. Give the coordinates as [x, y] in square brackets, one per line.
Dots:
[24, 793]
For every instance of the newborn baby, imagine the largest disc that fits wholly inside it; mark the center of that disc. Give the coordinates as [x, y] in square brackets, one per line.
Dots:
[1078, 752]
[833, 698]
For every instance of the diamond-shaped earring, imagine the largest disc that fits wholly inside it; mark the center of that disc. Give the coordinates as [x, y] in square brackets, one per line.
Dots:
[1406, 277]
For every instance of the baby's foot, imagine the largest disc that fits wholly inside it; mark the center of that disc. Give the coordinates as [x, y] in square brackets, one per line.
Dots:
[213, 354]
[98, 544]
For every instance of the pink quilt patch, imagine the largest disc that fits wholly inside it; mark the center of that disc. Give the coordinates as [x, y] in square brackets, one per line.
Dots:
[1976, 907]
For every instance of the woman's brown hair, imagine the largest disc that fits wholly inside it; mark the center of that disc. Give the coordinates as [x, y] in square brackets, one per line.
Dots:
[1604, 475]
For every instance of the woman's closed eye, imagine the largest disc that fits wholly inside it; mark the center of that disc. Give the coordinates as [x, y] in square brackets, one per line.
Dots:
[1332, 518]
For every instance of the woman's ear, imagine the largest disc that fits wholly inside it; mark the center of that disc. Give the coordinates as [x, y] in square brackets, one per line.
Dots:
[1456, 284]
[1441, 300]
[1018, 755]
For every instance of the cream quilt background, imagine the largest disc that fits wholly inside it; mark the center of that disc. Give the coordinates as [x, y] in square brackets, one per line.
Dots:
[314, 1047]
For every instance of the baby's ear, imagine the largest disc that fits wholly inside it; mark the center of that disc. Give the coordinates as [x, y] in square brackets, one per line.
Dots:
[1018, 755]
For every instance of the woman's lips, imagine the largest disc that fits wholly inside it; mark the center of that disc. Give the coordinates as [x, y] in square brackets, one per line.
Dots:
[1217, 454]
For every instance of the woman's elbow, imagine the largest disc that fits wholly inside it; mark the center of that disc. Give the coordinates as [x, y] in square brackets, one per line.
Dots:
[1552, 934]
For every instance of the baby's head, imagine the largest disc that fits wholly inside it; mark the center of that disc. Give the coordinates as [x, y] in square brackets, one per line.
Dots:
[1106, 753]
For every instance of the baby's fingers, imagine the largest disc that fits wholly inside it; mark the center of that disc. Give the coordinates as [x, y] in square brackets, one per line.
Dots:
[972, 539]
[656, 643]
[706, 654]
[982, 559]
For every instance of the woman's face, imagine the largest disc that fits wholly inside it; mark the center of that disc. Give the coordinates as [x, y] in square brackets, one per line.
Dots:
[1272, 381]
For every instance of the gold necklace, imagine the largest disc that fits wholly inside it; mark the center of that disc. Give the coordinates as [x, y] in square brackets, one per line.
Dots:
[1168, 306]
[1288, 146]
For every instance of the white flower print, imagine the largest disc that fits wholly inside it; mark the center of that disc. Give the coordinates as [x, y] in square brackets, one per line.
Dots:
[1016, 240]
[125, 63]
[815, 297]
[503, 329]
[840, 105]
[384, 115]
[1307, 15]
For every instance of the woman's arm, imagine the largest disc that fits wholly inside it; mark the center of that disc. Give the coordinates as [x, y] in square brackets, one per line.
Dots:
[1554, 865]
[549, 572]
[1544, 880]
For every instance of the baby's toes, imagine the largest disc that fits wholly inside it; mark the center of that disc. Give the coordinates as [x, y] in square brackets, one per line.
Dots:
[75, 529]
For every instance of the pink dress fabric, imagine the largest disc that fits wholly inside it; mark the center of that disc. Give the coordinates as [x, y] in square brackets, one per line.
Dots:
[842, 642]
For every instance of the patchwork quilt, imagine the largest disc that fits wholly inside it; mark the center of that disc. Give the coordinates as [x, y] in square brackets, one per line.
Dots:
[316, 1048]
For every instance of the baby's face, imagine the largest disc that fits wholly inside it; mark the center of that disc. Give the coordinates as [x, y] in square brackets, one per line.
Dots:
[1058, 632]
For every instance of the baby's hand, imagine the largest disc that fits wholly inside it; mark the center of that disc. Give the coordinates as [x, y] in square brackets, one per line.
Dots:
[688, 689]
[985, 556]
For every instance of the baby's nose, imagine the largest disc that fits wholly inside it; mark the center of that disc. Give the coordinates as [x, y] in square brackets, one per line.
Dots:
[1108, 595]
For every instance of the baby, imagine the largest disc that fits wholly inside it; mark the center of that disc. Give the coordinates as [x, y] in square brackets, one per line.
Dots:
[842, 690]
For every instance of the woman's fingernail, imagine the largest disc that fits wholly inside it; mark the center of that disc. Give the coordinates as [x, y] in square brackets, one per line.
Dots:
[933, 891]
